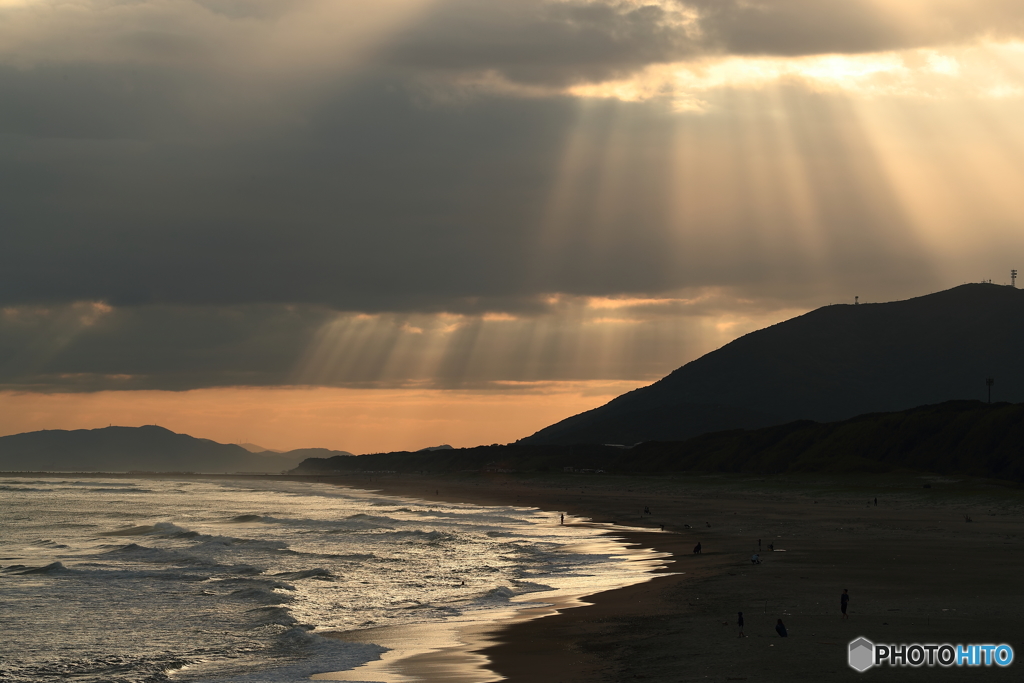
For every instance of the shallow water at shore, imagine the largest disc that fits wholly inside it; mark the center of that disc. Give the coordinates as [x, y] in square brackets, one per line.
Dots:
[149, 580]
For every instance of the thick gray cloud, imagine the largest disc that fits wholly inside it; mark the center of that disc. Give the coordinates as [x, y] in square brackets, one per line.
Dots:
[540, 41]
[377, 200]
[226, 190]
[557, 42]
[88, 347]
[808, 27]
[372, 202]
[377, 203]
[800, 27]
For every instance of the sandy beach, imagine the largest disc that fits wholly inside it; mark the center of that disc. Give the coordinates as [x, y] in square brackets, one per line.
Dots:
[916, 571]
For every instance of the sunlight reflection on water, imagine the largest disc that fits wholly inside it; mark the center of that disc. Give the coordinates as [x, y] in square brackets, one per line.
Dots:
[233, 581]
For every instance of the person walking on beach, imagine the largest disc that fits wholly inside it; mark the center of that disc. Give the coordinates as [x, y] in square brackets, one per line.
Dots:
[844, 599]
[740, 622]
[780, 628]
[562, 520]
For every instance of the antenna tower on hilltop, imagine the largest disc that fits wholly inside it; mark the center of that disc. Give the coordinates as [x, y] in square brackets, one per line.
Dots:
[1013, 277]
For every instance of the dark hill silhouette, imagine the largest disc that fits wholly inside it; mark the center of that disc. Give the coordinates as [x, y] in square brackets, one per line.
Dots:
[123, 449]
[512, 457]
[830, 364]
[954, 438]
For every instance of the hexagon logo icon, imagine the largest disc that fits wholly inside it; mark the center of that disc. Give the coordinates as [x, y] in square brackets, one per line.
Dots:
[862, 654]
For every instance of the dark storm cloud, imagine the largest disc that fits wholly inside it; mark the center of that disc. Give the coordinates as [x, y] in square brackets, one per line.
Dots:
[89, 346]
[226, 193]
[799, 27]
[377, 202]
[538, 41]
[553, 42]
[89, 101]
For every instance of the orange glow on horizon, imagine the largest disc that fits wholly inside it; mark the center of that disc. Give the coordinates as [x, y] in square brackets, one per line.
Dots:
[354, 420]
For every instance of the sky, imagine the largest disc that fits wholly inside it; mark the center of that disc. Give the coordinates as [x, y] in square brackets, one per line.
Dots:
[390, 225]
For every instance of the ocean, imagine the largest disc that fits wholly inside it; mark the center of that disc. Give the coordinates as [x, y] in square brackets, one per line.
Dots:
[131, 580]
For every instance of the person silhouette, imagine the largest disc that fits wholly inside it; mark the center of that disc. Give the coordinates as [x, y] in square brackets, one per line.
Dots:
[844, 600]
[740, 623]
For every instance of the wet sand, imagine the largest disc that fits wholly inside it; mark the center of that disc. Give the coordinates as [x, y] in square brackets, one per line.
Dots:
[915, 569]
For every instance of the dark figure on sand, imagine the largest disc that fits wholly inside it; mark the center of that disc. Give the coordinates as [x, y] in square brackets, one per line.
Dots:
[780, 628]
[844, 599]
[562, 519]
[696, 549]
[740, 623]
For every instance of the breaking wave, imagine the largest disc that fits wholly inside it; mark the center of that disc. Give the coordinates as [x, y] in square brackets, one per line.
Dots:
[51, 568]
[176, 598]
[242, 519]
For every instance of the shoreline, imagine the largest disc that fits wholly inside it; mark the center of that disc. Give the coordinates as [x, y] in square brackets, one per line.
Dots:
[523, 646]
[414, 653]
[916, 573]
[473, 645]
[915, 569]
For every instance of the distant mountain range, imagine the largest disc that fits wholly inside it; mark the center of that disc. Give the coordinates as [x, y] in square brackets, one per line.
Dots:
[833, 363]
[149, 449]
[255, 448]
[955, 437]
